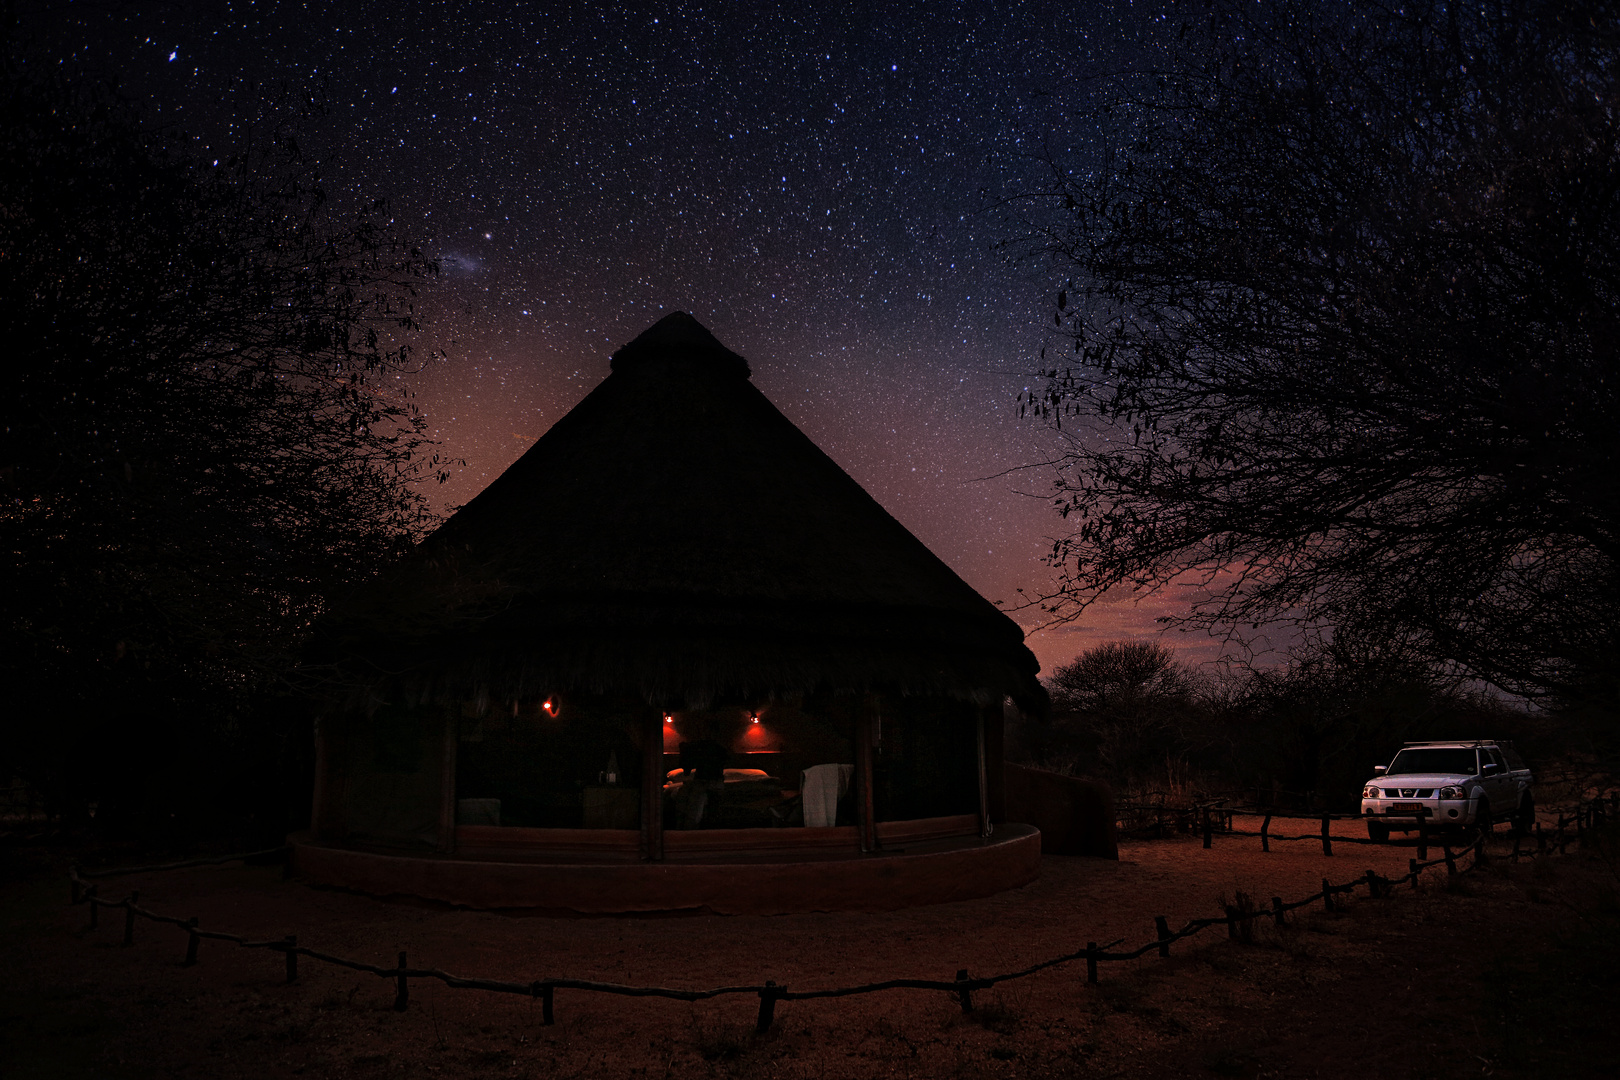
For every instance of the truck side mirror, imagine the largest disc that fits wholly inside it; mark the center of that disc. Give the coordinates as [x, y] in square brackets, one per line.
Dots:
[1489, 767]
[1379, 770]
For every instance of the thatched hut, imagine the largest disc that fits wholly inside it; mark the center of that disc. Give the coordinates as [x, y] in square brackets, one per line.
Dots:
[673, 632]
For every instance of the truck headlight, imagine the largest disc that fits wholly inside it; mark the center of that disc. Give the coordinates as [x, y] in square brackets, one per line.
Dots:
[1370, 793]
[1453, 792]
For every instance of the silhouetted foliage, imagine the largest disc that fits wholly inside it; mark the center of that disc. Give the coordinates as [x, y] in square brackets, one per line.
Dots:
[205, 432]
[1303, 734]
[1124, 709]
[1345, 313]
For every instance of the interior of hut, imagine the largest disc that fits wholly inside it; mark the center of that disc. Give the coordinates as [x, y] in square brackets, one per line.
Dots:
[576, 762]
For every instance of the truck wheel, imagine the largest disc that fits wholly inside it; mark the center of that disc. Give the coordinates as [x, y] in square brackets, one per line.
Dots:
[1378, 832]
[1525, 820]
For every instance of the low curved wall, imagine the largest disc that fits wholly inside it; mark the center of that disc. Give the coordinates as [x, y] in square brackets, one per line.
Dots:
[932, 872]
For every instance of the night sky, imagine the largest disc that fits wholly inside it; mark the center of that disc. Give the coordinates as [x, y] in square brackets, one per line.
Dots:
[819, 188]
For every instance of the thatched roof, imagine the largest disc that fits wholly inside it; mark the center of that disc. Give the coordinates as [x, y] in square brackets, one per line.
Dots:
[675, 536]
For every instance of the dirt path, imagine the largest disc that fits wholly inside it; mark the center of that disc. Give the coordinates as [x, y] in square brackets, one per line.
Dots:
[1404, 986]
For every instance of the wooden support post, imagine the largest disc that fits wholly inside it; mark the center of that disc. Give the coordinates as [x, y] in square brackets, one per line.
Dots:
[1327, 838]
[1413, 870]
[767, 1006]
[1451, 862]
[192, 940]
[402, 992]
[1163, 927]
[963, 994]
[95, 908]
[995, 760]
[1372, 884]
[292, 957]
[1423, 832]
[1327, 894]
[1265, 834]
[1091, 962]
[1231, 922]
[129, 917]
[449, 744]
[1277, 911]
[864, 808]
[1480, 856]
[652, 786]
[985, 826]
[1208, 830]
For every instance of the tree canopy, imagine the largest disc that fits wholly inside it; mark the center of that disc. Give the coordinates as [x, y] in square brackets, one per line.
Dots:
[1343, 306]
[207, 426]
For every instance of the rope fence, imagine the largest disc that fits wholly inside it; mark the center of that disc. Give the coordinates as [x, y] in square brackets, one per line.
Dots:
[1238, 919]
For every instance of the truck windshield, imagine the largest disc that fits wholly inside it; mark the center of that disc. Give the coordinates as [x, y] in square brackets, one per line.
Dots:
[1456, 760]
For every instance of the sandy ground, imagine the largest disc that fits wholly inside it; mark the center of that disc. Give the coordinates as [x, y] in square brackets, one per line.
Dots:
[1411, 985]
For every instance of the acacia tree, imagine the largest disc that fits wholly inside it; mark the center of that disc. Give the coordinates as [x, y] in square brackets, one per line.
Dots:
[1344, 317]
[206, 427]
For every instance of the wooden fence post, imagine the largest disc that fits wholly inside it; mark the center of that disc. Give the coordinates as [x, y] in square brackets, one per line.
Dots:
[1451, 862]
[963, 995]
[1277, 911]
[1423, 832]
[292, 957]
[1163, 927]
[1265, 828]
[129, 917]
[402, 993]
[1091, 961]
[192, 941]
[1327, 840]
[544, 993]
[1231, 922]
[767, 1006]
[1327, 894]
[1207, 829]
[1412, 869]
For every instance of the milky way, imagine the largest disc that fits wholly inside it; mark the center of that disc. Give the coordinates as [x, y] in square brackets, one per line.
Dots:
[825, 190]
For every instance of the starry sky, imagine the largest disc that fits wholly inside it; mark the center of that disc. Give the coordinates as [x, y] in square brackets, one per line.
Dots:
[824, 186]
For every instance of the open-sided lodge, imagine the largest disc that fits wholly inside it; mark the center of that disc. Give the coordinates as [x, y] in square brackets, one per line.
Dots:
[674, 657]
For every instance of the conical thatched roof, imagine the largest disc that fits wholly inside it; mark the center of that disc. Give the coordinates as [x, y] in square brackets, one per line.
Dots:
[675, 536]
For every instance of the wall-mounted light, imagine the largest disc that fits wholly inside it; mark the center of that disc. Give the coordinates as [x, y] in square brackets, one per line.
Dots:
[550, 705]
[668, 718]
[753, 717]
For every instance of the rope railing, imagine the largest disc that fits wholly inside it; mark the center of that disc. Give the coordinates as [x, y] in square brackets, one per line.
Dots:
[1238, 920]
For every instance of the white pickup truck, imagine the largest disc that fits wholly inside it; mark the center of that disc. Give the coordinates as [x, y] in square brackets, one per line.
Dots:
[1469, 782]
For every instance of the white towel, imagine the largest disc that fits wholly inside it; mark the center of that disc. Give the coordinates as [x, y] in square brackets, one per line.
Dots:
[821, 787]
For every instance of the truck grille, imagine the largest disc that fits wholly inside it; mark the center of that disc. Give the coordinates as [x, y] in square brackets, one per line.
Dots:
[1413, 792]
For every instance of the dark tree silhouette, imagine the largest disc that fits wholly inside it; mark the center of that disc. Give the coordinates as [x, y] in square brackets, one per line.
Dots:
[1125, 709]
[206, 427]
[1118, 674]
[1344, 318]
